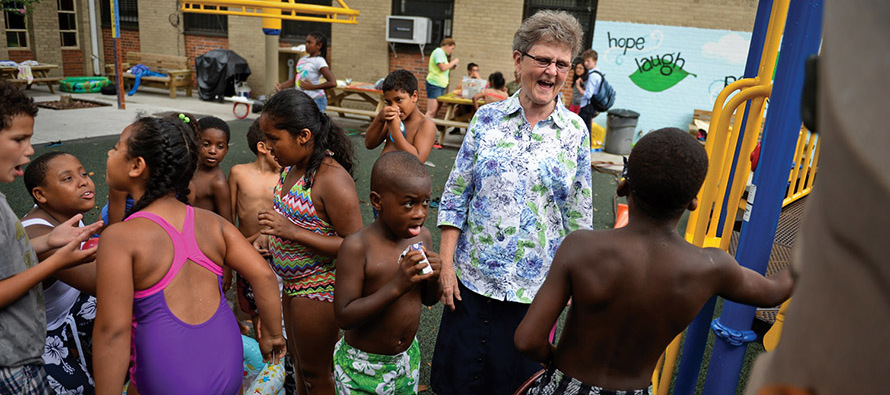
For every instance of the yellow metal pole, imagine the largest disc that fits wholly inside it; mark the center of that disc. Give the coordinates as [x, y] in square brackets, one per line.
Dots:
[670, 360]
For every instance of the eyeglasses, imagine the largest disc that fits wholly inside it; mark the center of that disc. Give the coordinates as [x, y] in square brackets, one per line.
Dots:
[543, 62]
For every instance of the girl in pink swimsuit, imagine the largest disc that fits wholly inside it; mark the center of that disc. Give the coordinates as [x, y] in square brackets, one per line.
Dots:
[161, 309]
[316, 205]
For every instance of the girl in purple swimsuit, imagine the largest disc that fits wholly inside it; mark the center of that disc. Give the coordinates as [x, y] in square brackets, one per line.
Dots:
[161, 309]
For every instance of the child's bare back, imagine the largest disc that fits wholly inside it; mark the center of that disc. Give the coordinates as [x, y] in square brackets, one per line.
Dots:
[635, 288]
[209, 186]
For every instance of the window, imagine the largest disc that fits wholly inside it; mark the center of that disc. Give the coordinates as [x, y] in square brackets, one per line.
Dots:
[129, 14]
[584, 10]
[16, 25]
[67, 23]
[440, 12]
[206, 24]
[296, 31]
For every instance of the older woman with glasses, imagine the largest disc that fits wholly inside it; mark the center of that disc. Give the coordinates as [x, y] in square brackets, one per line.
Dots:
[520, 183]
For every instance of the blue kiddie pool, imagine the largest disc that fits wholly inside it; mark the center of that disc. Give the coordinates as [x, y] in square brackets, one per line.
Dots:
[83, 84]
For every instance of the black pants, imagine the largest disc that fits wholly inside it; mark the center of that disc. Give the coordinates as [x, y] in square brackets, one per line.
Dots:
[474, 352]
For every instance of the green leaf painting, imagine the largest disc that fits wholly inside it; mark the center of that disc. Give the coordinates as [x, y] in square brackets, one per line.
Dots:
[656, 74]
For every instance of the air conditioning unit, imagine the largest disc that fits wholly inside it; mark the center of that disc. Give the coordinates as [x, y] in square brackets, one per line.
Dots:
[408, 29]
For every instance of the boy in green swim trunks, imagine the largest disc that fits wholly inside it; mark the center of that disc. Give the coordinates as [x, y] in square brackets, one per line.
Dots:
[380, 288]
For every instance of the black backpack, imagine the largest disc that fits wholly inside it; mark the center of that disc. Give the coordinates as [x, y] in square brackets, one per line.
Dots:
[603, 99]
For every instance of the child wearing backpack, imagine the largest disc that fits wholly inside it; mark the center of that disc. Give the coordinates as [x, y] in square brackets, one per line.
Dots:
[598, 94]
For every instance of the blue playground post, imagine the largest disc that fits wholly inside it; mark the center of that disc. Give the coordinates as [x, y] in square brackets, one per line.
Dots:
[697, 332]
[803, 33]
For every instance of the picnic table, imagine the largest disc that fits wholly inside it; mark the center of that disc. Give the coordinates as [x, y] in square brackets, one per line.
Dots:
[40, 73]
[359, 91]
[450, 102]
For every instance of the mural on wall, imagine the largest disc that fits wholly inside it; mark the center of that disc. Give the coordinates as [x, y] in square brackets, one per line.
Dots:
[666, 72]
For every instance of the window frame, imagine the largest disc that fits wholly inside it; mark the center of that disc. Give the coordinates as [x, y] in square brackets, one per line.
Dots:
[294, 31]
[26, 31]
[129, 10]
[532, 6]
[443, 24]
[75, 32]
[198, 24]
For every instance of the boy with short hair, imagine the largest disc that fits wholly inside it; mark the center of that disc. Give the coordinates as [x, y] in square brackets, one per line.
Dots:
[378, 293]
[473, 70]
[21, 295]
[251, 186]
[400, 125]
[594, 78]
[645, 284]
[211, 188]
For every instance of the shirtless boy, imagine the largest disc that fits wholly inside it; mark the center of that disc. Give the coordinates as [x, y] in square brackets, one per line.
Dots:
[211, 189]
[400, 125]
[633, 289]
[378, 295]
[251, 186]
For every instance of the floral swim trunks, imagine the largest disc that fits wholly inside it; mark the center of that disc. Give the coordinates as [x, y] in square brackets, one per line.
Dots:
[360, 372]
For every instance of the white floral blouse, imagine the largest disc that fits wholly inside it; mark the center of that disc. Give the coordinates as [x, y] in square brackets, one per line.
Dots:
[515, 192]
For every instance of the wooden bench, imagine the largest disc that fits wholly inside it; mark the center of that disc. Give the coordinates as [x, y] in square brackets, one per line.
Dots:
[177, 69]
[48, 81]
[341, 111]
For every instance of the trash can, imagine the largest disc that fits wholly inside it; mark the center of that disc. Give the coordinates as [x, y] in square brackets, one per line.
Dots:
[620, 128]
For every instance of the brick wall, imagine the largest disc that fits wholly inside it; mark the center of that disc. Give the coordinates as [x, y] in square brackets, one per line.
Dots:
[45, 43]
[72, 62]
[129, 43]
[20, 55]
[246, 38]
[155, 22]
[711, 14]
[360, 51]
[409, 59]
[198, 45]
[484, 32]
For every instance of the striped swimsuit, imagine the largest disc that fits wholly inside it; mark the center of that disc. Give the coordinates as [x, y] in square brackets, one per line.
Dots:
[304, 272]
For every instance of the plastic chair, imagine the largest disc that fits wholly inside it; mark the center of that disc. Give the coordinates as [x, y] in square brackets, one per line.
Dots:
[523, 389]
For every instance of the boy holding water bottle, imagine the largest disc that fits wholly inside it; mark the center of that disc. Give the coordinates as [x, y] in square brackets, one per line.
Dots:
[384, 272]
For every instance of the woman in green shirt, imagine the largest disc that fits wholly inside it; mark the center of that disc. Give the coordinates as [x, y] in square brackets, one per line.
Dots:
[437, 79]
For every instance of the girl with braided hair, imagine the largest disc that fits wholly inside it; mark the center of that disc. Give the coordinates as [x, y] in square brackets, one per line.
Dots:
[159, 281]
[315, 207]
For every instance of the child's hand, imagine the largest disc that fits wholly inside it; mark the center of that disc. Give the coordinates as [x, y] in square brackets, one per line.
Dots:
[435, 263]
[71, 255]
[273, 224]
[410, 268]
[391, 112]
[272, 347]
[66, 232]
[261, 243]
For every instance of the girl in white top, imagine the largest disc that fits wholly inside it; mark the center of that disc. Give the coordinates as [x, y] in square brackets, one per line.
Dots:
[310, 69]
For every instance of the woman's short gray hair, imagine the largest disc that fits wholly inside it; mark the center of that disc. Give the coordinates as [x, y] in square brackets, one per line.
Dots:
[548, 26]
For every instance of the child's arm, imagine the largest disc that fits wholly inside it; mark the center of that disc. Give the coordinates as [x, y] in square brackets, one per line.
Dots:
[337, 192]
[532, 335]
[222, 199]
[377, 132]
[286, 84]
[82, 277]
[242, 257]
[351, 309]
[579, 83]
[114, 314]
[740, 284]
[63, 234]
[432, 287]
[12, 288]
[476, 97]
[234, 176]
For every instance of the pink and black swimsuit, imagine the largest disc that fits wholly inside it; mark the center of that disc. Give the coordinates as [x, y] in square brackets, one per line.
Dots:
[171, 356]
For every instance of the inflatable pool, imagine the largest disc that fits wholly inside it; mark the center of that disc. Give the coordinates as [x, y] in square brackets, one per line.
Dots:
[83, 84]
